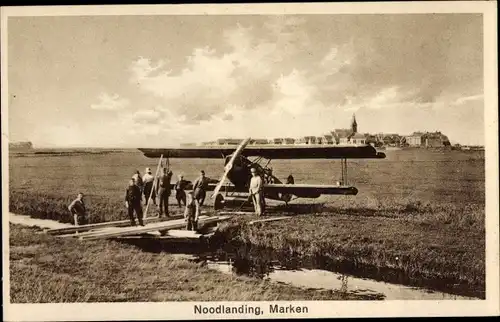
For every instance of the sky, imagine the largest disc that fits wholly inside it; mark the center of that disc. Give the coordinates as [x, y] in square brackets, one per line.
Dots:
[153, 81]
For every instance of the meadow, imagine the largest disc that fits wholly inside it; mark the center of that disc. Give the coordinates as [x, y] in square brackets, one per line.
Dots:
[45, 269]
[419, 212]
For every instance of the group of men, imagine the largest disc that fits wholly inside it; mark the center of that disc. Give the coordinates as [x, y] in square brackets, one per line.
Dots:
[140, 188]
[144, 187]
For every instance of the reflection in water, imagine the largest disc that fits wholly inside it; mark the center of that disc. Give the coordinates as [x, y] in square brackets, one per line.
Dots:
[318, 273]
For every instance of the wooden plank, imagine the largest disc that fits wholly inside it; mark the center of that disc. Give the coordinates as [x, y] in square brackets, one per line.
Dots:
[82, 228]
[172, 224]
[149, 227]
[268, 220]
[235, 213]
[183, 233]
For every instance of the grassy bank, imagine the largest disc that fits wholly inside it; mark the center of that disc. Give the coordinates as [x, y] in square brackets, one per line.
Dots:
[47, 269]
[439, 246]
[438, 243]
[418, 212]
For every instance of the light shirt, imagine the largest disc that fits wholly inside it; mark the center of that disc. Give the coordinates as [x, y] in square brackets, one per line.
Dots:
[255, 184]
[148, 178]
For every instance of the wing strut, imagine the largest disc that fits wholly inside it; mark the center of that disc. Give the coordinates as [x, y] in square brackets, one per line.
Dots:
[154, 187]
[343, 164]
[229, 166]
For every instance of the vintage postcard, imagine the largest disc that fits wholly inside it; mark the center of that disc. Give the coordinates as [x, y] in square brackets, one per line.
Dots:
[250, 161]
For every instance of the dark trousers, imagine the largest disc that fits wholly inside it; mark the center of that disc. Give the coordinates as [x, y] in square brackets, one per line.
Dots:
[81, 219]
[137, 208]
[180, 195]
[200, 196]
[148, 189]
[191, 224]
[163, 195]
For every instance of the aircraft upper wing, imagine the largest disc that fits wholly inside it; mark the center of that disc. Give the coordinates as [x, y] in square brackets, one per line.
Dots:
[309, 151]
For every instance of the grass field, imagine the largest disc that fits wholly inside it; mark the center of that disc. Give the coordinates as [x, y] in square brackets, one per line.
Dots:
[45, 269]
[420, 212]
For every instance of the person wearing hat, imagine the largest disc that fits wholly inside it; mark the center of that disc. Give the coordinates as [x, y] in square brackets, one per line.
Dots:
[148, 180]
[78, 210]
[180, 194]
[191, 213]
[164, 191]
[133, 202]
[256, 192]
[200, 187]
[138, 179]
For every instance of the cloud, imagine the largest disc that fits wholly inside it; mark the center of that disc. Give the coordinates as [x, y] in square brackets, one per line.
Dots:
[466, 99]
[110, 103]
[267, 79]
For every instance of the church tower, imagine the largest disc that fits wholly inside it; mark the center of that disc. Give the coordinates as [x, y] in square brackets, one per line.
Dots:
[354, 124]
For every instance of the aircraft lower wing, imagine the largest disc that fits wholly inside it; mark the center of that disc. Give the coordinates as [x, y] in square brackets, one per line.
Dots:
[310, 190]
[299, 190]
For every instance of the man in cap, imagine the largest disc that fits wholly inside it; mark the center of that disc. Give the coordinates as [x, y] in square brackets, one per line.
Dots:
[180, 194]
[78, 210]
[148, 180]
[133, 202]
[256, 190]
[164, 191]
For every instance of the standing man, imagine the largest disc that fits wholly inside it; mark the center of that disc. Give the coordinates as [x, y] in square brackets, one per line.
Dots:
[78, 210]
[200, 188]
[191, 213]
[133, 199]
[180, 194]
[148, 180]
[256, 189]
[164, 191]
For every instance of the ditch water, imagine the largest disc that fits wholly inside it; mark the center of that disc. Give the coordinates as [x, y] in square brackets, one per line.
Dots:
[368, 283]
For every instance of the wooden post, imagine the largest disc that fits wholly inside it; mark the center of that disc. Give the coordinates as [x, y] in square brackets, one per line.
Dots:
[154, 186]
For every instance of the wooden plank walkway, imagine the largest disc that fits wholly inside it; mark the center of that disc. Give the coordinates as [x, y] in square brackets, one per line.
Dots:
[136, 230]
[236, 213]
[268, 220]
[82, 228]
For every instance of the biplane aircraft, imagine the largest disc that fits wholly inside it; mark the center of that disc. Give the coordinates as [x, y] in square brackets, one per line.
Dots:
[237, 165]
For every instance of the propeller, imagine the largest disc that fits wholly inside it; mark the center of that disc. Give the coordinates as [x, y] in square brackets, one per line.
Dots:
[229, 166]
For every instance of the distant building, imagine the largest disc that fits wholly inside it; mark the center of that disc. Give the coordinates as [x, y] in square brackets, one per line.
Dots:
[354, 124]
[415, 139]
[327, 139]
[427, 139]
[340, 135]
[435, 139]
[209, 143]
[358, 138]
[277, 141]
[21, 145]
[288, 141]
[306, 140]
[229, 141]
[302, 140]
[259, 141]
